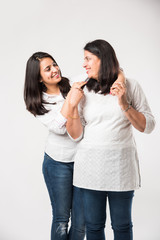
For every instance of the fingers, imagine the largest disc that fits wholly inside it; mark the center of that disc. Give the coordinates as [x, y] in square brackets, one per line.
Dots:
[79, 89]
[118, 89]
[75, 95]
[76, 88]
[118, 84]
[78, 84]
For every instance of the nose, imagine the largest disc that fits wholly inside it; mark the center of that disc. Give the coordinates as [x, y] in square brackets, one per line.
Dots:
[84, 64]
[54, 69]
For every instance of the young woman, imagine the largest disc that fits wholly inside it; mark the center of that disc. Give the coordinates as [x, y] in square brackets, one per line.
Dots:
[44, 94]
[106, 161]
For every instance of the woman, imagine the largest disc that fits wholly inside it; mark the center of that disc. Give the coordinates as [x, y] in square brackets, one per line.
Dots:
[44, 94]
[106, 161]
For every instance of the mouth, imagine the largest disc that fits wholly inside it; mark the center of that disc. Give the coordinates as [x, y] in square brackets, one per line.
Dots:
[57, 75]
[87, 70]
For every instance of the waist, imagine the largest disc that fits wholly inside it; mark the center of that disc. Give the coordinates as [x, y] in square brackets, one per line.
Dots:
[60, 140]
[105, 137]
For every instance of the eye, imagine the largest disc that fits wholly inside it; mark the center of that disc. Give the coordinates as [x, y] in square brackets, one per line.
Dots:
[88, 58]
[55, 64]
[48, 69]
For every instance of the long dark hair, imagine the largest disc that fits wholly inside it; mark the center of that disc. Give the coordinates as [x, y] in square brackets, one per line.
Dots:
[109, 66]
[33, 88]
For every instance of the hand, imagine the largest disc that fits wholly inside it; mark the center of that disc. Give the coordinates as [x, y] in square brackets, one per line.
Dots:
[120, 80]
[75, 94]
[119, 89]
[78, 84]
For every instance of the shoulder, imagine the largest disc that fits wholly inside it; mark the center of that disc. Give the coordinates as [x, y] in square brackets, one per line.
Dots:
[48, 98]
[132, 85]
[134, 91]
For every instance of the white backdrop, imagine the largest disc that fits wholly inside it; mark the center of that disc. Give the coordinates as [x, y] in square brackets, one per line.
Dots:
[62, 28]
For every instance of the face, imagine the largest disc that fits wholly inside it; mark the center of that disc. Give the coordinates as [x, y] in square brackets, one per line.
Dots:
[91, 64]
[49, 71]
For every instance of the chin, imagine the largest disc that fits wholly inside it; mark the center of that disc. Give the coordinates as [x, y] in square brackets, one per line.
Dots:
[89, 76]
[59, 79]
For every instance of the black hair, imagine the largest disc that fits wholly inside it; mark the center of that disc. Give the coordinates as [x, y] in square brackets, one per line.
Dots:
[33, 88]
[109, 66]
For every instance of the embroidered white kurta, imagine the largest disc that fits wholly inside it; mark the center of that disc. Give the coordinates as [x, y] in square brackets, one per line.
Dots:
[106, 158]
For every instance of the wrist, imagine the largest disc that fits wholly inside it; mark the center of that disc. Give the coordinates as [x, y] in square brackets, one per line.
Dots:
[126, 108]
[73, 112]
[73, 116]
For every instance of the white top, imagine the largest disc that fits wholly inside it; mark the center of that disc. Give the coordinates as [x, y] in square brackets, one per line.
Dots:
[59, 146]
[106, 157]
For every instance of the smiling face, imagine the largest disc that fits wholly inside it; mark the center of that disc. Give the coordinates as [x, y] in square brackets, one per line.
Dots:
[49, 72]
[91, 64]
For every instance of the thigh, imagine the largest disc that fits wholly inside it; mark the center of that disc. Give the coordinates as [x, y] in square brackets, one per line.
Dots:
[94, 207]
[58, 177]
[77, 230]
[78, 208]
[120, 204]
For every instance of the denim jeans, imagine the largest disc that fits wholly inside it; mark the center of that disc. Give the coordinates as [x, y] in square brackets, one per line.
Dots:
[95, 213]
[58, 177]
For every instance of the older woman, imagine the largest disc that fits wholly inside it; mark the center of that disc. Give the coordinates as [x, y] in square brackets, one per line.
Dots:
[106, 162]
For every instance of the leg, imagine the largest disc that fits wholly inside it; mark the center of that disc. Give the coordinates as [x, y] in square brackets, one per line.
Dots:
[95, 213]
[77, 231]
[58, 178]
[120, 204]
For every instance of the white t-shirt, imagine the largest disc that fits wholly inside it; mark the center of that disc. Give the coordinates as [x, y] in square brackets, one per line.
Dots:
[106, 158]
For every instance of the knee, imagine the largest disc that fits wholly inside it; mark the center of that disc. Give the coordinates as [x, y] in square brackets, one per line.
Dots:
[78, 226]
[95, 227]
[80, 230]
[122, 227]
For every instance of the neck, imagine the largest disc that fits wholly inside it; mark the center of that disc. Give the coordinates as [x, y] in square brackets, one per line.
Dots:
[53, 90]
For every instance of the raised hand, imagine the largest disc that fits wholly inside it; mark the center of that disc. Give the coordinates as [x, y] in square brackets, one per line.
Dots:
[75, 94]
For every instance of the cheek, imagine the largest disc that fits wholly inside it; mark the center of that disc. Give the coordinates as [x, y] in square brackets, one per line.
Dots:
[47, 75]
[98, 67]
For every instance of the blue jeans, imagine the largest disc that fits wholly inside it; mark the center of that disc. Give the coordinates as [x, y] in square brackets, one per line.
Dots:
[95, 213]
[58, 177]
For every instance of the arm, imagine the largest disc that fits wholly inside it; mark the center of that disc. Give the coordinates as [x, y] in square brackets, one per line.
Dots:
[136, 118]
[55, 122]
[139, 114]
[74, 125]
[121, 78]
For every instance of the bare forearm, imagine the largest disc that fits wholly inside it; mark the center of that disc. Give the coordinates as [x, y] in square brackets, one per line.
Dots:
[65, 109]
[121, 77]
[70, 110]
[137, 119]
[74, 126]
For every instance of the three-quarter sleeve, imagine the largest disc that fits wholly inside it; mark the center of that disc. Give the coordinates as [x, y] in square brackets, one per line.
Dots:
[54, 121]
[140, 103]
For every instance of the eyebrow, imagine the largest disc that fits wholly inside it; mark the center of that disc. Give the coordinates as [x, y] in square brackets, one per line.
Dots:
[48, 66]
